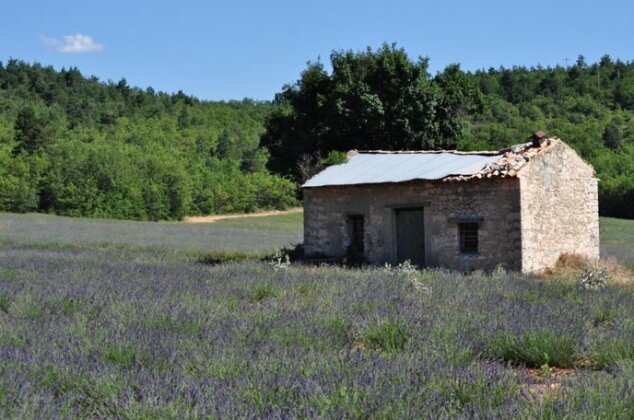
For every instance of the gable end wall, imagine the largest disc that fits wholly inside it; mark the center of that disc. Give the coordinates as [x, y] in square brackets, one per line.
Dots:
[559, 208]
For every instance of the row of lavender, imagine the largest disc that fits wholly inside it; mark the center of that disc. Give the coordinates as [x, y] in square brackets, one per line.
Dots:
[110, 332]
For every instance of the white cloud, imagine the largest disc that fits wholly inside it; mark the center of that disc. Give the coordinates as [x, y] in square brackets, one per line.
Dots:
[72, 44]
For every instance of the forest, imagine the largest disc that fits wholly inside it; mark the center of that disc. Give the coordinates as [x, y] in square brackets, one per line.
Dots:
[74, 145]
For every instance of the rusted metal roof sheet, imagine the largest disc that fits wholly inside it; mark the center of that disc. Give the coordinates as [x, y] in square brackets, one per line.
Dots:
[389, 167]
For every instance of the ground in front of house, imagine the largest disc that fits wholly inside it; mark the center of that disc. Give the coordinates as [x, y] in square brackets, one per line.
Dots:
[122, 319]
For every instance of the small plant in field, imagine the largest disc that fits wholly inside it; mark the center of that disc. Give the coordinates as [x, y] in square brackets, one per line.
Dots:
[387, 268]
[262, 292]
[410, 273]
[499, 271]
[604, 315]
[385, 335]
[593, 277]
[535, 349]
[280, 261]
[545, 371]
[407, 268]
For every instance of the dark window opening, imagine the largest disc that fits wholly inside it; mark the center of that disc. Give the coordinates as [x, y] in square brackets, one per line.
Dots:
[355, 225]
[468, 233]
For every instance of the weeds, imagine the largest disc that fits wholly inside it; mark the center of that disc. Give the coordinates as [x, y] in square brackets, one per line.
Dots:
[535, 349]
[263, 291]
[385, 335]
[593, 277]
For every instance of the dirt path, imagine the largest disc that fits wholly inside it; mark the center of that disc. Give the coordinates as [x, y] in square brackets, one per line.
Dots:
[216, 217]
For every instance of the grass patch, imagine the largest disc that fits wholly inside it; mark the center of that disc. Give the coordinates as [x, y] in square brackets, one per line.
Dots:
[262, 292]
[95, 397]
[617, 240]
[4, 302]
[610, 352]
[192, 328]
[27, 306]
[281, 222]
[124, 355]
[604, 315]
[535, 349]
[386, 336]
[223, 256]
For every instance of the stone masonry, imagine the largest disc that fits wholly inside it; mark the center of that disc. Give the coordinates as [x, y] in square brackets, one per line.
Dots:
[496, 201]
[526, 221]
[560, 208]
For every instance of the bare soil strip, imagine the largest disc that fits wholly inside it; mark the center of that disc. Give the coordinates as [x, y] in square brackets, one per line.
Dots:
[214, 218]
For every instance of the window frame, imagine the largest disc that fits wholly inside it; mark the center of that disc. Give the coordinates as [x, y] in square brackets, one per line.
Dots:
[468, 237]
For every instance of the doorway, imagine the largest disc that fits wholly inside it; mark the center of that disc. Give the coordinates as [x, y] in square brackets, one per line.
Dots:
[410, 235]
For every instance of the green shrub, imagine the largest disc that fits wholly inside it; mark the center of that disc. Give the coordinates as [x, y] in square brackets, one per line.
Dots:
[604, 315]
[609, 351]
[385, 335]
[124, 355]
[535, 349]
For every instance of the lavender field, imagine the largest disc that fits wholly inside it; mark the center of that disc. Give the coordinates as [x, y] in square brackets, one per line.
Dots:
[137, 331]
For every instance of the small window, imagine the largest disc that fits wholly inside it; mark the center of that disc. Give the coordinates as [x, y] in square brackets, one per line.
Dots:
[468, 235]
[355, 224]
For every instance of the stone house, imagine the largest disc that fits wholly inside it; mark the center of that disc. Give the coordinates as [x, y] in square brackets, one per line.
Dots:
[520, 207]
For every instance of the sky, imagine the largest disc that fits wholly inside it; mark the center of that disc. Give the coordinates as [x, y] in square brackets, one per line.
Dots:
[222, 50]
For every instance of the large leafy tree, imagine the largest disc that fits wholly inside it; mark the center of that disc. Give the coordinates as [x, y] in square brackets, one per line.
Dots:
[370, 100]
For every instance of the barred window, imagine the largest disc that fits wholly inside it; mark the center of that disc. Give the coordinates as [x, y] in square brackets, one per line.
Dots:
[468, 234]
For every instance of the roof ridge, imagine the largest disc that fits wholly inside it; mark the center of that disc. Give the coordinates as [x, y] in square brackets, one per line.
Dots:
[515, 148]
[430, 152]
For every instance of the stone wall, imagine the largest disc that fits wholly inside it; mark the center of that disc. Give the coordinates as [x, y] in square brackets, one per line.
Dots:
[560, 208]
[496, 201]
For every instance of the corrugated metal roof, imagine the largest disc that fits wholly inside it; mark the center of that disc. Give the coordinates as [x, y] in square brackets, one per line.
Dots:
[382, 167]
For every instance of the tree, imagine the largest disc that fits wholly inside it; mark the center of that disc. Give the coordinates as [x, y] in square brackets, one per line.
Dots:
[31, 131]
[612, 136]
[371, 100]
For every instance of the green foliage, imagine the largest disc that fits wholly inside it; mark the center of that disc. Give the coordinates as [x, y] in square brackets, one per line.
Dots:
[263, 291]
[535, 348]
[373, 99]
[380, 99]
[612, 136]
[587, 105]
[334, 157]
[75, 146]
[385, 335]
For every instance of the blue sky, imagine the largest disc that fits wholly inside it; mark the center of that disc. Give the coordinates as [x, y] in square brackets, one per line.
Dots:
[236, 49]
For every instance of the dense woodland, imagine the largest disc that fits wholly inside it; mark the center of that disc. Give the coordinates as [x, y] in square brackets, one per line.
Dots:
[74, 145]
[384, 100]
